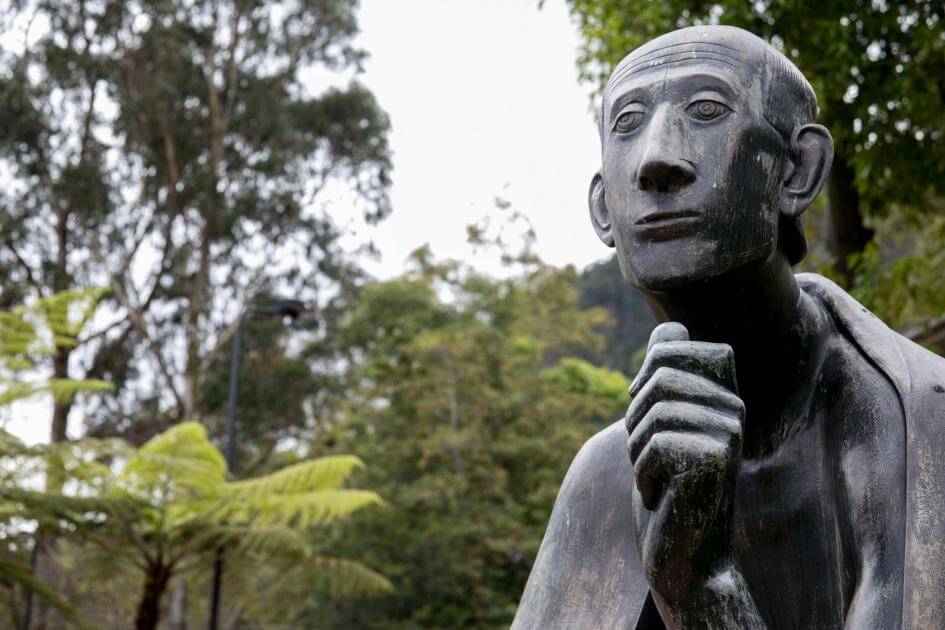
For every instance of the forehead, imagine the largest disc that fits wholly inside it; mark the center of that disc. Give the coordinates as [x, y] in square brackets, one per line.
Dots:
[684, 46]
[738, 81]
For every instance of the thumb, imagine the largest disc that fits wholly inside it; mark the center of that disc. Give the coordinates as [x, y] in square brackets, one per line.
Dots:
[667, 331]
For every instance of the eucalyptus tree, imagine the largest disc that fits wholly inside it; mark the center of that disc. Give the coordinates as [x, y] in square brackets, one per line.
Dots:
[183, 154]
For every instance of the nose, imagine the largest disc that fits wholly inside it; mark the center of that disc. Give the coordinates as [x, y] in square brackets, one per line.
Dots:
[661, 169]
[659, 173]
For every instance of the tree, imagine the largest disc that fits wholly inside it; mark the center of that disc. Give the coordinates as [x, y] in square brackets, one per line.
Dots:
[177, 152]
[27, 335]
[166, 509]
[602, 285]
[467, 400]
[878, 69]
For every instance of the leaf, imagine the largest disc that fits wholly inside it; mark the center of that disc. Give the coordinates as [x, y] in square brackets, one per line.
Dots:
[346, 578]
[316, 474]
[302, 510]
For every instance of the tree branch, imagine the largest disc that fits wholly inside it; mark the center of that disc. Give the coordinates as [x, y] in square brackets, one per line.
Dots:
[30, 278]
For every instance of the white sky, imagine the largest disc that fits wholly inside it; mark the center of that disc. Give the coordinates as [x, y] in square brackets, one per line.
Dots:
[484, 101]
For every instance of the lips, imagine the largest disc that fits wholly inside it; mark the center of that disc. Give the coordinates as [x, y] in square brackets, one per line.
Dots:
[657, 218]
[666, 225]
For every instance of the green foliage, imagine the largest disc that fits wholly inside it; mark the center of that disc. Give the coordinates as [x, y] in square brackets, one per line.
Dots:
[28, 335]
[467, 401]
[602, 285]
[166, 508]
[179, 152]
[580, 377]
[33, 332]
[902, 282]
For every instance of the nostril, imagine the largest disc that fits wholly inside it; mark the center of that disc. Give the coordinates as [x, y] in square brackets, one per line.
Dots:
[665, 175]
[682, 174]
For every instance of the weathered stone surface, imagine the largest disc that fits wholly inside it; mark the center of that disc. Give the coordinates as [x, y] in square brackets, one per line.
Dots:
[786, 449]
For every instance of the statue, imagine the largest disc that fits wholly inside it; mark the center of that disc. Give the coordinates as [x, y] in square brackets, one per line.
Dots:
[786, 449]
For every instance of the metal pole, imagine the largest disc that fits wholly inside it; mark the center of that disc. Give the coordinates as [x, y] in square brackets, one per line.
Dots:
[29, 592]
[228, 454]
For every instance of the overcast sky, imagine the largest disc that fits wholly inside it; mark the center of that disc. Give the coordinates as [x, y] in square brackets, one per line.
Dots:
[484, 101]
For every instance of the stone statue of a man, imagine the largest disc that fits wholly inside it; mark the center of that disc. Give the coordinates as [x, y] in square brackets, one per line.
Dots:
[786, 449]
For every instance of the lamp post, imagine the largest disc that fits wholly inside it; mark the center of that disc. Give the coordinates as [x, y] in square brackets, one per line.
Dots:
[282, 308]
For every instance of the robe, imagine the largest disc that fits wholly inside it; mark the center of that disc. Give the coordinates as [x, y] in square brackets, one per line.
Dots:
[587, 573]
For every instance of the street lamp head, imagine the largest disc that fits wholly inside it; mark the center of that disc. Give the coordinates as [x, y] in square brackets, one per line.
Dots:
[282, 308]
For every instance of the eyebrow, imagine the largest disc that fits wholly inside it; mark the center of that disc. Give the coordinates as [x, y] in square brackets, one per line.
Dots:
[707, 82]
[704, 47]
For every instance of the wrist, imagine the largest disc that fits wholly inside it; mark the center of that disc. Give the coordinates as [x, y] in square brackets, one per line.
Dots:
[720, 599]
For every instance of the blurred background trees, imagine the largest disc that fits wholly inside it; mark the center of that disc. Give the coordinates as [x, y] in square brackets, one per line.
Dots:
[466, 404]
[178, 153]
[188, 156]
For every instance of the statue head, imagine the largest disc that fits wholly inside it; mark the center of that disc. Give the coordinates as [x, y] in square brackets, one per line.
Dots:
[710, 155]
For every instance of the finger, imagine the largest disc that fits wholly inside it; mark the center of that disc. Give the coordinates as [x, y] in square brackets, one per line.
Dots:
[715, 361]
[672, 384]
[667, 331]
[670, 453]
[681, 416]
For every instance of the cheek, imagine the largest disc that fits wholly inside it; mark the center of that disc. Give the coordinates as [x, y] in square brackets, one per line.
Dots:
[753, 174]
[619, 172]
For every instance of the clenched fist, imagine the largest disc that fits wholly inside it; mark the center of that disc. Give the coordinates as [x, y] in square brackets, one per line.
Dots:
[685, 426]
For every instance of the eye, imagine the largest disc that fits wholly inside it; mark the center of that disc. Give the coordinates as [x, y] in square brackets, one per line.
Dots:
[628, 121]
[707, 110]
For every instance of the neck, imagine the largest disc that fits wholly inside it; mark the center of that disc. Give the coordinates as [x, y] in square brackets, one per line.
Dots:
[771, 325]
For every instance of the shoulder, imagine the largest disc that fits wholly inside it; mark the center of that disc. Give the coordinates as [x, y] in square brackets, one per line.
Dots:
[587, 573]
[915, 373]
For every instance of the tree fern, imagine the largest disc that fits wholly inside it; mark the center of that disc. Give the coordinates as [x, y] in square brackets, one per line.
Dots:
[316, 474]
[346, 578]
[168, 506]
[302, 510]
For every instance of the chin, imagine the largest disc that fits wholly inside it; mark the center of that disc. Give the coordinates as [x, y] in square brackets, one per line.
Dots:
[675, 270]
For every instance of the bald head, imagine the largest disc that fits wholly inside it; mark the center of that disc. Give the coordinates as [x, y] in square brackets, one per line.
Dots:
[785, 97]
[769, 83]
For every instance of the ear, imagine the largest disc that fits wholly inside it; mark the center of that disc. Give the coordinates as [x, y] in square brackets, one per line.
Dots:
[600, 217]
[811, 157]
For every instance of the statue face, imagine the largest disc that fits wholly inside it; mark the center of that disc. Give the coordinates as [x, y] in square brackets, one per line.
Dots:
[692, 171]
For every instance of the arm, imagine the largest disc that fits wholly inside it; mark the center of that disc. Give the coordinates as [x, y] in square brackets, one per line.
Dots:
[685, 426]
[587, 574]
[871, 470]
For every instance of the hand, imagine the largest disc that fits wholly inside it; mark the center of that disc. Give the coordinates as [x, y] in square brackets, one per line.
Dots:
[685, 425]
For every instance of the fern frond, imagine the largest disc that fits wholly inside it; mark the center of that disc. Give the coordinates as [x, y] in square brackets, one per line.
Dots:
[267, 542]
[182, 458]
[300, 510]
[346, 578]
[53, 508]
[64, 390]
[21, 573]
[273, 541]
[324, 473]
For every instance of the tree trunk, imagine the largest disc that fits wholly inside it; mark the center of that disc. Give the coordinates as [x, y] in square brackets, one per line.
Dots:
[177, 615]
[149, 608]
[846, 234]
[47, 568]
[61, 411]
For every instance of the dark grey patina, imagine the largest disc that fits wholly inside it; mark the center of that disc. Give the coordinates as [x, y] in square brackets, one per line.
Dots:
[786, 449]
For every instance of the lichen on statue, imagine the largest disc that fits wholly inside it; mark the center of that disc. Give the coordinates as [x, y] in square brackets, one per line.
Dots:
[782, 462]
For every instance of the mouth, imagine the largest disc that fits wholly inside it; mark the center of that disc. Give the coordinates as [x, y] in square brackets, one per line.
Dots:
[666, 225]
[654, 219]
